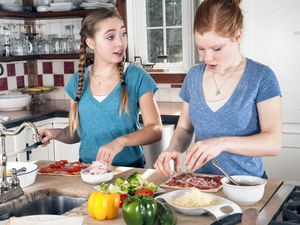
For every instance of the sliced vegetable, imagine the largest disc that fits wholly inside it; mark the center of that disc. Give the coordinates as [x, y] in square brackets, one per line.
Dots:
[129, 186]
[122, 199]
[103, 206]
[145, 191]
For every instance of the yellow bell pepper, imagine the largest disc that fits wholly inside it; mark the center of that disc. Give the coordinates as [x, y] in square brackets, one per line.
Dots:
[103, 206]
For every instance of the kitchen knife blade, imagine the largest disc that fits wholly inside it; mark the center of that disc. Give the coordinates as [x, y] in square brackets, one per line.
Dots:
[229, 220]
[35, 145]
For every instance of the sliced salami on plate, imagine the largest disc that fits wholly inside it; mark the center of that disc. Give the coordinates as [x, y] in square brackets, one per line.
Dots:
[206, 183]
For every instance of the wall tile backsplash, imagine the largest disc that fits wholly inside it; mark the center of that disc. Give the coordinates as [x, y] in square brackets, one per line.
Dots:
[57, 73]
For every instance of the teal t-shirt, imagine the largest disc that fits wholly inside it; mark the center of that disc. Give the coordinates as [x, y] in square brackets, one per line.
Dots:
[238, 117]
[100, 122]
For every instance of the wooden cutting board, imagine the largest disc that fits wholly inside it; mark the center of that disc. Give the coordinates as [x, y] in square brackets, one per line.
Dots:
[42, 164]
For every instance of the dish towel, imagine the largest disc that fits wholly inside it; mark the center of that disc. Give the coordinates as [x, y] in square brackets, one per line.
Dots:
[46, 220]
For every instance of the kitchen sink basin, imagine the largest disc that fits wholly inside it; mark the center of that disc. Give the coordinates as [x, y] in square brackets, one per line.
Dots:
[50, 204]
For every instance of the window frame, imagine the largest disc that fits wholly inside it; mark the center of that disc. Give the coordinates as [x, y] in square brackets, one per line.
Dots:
[137, 34]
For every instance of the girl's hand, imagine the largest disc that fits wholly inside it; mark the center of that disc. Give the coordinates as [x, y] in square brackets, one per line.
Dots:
[47, 135]
[107, 152]
[162, 164]
[202, 152]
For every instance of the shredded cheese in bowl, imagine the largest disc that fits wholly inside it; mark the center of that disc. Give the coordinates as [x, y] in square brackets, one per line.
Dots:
[194, 199]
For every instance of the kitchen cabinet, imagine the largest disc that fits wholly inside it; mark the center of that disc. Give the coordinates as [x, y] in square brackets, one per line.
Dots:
[285, 166]
[62, 150]
[40, 153]
[55, 150]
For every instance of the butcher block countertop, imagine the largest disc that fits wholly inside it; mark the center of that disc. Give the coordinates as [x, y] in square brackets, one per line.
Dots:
[74, 186]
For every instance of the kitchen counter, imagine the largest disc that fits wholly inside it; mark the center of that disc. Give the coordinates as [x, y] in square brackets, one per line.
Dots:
[60, 108]
[73, 186]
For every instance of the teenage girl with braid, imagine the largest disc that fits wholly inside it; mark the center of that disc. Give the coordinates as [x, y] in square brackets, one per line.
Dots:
[106, 98]
[231, 103]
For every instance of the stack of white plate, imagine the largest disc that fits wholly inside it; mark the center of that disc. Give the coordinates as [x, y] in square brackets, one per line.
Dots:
[61, 6]
[12, 7]
[42, 8]
[100, 1]
[94, 4]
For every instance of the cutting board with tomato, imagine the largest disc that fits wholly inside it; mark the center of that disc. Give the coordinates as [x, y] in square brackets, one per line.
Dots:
[61, 168]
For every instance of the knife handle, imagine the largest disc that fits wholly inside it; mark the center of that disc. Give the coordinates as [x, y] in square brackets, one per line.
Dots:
[229, 220]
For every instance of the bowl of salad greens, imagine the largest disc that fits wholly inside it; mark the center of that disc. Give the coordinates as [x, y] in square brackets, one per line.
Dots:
[128, 186]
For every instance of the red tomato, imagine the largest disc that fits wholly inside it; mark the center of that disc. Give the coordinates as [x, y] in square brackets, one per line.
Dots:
[144, 191]
[122, 198]
[55, 165]
[73, 169]
[62, 162]
[46, 170]
[77, 164]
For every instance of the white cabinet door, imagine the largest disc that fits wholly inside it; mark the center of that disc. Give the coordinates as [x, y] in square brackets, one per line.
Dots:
[69, 152]
[40, 153]
[285, 166]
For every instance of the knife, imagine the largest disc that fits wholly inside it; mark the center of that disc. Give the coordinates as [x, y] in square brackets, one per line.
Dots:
[229, 220]
[35, 145]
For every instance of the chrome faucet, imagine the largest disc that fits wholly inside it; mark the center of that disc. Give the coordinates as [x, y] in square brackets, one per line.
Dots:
[9, 191]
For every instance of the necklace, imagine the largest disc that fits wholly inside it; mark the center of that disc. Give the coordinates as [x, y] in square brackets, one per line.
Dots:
[218, 88]
[100, 81]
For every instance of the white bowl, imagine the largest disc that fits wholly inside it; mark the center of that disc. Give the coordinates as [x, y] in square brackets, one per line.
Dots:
[96, 179]
[26, 178]
[244, 195]
[12, 102]
[214, 209]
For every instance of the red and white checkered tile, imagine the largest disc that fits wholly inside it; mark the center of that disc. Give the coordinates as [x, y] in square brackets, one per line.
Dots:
[14, 76]
[57, 73]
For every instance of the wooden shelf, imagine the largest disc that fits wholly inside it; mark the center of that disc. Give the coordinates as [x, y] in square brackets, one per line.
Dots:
[41, 57]
[17, 15]
[64, 14]
[45, 15]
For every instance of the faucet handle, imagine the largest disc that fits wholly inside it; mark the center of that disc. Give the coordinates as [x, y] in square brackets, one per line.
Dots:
[15, 182]
[37, 137]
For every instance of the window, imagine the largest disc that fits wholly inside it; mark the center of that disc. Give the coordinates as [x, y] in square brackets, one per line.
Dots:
[160, 31]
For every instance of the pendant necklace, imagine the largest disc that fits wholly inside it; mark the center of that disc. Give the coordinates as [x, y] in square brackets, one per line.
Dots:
[218, 88]
[100, 81]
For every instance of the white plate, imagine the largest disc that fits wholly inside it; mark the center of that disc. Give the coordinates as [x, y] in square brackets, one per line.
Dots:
[214, 209]
[96, 5]
[42, 8]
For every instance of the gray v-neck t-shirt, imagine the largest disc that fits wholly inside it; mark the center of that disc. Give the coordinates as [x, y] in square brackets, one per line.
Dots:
[237, 117]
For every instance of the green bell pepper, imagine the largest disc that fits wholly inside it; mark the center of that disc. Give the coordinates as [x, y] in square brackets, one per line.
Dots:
[139, 210]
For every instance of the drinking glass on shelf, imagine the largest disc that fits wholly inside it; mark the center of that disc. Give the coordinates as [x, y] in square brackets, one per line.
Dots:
[17, 47]
[43, 47]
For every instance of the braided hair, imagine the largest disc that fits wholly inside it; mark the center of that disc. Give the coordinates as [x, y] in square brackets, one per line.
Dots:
[88, 30]
[224, 17]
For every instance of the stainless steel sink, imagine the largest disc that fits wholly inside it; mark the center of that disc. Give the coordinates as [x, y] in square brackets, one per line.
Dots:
[50, 204]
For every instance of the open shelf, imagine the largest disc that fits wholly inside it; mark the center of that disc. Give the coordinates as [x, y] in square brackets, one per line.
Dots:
[45, 15]
[41, 57]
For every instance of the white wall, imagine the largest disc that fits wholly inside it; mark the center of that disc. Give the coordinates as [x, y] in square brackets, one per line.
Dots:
[272, 36]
